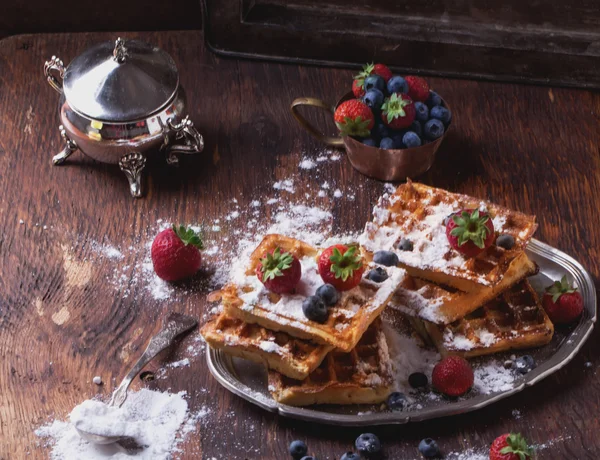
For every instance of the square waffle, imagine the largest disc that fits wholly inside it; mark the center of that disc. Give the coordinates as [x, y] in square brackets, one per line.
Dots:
[514, 320]
[418, 212]
[247, 299]
[441, 305]
[363, 376]
[292, 357]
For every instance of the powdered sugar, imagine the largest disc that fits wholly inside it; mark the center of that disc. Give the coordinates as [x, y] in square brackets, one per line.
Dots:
[151, 418]
[493, 377]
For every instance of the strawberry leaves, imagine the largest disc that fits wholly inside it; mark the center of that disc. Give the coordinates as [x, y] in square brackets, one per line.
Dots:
[273, 264]
[344, 265]
[393, 107]
[471, 227]
[366, 71]
[517, 445]
[188, 236]
[559, 288]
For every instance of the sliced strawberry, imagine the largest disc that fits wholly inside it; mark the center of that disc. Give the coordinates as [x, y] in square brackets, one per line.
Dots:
[510, 446]
[398, 111]
[341, 266]
[470, 232]
[280, 272]
[354, 118]
[562, 302]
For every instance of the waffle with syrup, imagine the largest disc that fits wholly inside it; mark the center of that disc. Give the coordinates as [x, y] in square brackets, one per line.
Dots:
[362, 376]
[513, 320]
[292, 357]
[418, 213]
[247, 299]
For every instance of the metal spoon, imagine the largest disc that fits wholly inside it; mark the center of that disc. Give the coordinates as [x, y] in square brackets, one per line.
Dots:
[174, 325]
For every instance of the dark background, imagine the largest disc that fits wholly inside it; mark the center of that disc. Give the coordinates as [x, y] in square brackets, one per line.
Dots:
[34, 16]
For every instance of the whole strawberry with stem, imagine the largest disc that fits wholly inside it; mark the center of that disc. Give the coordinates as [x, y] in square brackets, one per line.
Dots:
[176, 254]
[510, 446]
[358, 84]
[453, 376]
[398, 111]
[418, 88]
[354, 118]
[279, 271]
[470, 232]
[563, 302]
[341, 266]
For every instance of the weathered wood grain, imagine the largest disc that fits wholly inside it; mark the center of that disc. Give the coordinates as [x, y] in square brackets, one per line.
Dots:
[61, 322]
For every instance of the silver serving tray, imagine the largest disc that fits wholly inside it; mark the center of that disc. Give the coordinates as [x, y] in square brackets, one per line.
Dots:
[249, 380]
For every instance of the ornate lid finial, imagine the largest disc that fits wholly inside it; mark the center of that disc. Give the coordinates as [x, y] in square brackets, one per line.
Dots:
[120, 52]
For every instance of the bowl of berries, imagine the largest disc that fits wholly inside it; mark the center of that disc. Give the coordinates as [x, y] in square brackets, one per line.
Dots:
[391, 126]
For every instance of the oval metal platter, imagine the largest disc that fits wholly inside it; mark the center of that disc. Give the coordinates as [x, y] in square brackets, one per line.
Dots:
[249, 380]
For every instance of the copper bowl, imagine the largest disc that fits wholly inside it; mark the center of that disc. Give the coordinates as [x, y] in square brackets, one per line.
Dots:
[382, 164]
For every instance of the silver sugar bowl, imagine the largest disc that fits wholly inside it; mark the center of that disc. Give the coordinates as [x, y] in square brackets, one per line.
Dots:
[119, 102]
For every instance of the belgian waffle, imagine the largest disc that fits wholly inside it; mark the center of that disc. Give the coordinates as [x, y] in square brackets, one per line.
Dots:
[440, 305]
[247, 299]
[514, 320]
[418, 212]
[363, 376]
[292, 357]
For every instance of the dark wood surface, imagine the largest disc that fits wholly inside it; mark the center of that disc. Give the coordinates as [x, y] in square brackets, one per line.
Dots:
[504, 41]
[62, 322]
[35, 16]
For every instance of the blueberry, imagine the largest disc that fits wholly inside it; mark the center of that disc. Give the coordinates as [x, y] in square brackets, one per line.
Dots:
[373, 98]
[328, 294]
[386, 143]
[377, 274]
[505, 241]
[411, 139]
[433, 99]
[309, 457]
[417, 127]
[314, 309]
[380, 131]
[387, 258]
[433, 129]
[422, 111]
[417, 380]
[397, 401]
[397, 85]
[429, 448]
[368, 443]
[298, 449]
[370, 142]
[350, 456]
[441, 113]
[397, 138]
[405, 244]
[374, 81]
[524, 364]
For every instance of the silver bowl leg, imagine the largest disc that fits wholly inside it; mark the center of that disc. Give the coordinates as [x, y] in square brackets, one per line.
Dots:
[132, 165]
[70, 147]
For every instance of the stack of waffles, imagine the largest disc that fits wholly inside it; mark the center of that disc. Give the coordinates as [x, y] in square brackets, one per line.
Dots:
[464, 306]
[345, 360]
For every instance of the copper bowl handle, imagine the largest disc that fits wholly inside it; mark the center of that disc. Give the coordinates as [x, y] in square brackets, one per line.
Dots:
[314, 102]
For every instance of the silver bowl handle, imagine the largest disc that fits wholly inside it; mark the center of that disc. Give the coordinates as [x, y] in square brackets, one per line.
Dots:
[51, 66]
[181, 138]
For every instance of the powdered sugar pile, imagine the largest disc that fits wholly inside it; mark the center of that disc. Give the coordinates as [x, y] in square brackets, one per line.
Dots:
[493, 377]
[153, 420]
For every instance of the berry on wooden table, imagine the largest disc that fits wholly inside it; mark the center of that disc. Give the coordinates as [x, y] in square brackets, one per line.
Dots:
[176, 254]
[298, 449]
[429, 448]
[368, 444]
[510, 446]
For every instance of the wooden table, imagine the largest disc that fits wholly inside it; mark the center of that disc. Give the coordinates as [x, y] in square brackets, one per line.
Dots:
[62, 321]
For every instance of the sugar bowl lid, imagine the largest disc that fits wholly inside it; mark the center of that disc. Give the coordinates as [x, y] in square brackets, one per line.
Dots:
[120, 81]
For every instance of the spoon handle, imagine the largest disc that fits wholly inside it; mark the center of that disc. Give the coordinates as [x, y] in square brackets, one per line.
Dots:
[175, 324]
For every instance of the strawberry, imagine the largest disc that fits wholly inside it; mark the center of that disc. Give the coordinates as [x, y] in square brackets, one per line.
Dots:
[470, 232]
[341, 266]
[369, 69]
[358, 88]
[452, 376]
[562, 302]
[383, 71]
[280, 272]
[398, 111]
[354, 118]
[510, 446]
[418, 88]
[176, 253]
